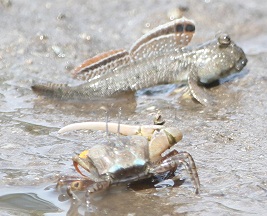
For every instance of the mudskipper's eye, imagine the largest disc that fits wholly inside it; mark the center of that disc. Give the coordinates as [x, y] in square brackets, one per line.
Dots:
[224, 39]
[179, 28]
[187, 27]
[190, 28]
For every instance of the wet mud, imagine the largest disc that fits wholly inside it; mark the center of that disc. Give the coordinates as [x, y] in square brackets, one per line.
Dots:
[42, 41]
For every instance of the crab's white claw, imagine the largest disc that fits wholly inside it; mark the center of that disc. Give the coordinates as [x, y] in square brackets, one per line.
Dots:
[148, 130]
[127, 130]
[102, 126]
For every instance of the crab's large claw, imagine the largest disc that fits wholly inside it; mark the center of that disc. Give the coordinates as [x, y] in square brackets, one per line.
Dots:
[127, 130]
[163, 140]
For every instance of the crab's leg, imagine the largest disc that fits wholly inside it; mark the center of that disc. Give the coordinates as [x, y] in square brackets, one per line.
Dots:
[146, 130]
[75, 183]
[172, 160]
[97, 187]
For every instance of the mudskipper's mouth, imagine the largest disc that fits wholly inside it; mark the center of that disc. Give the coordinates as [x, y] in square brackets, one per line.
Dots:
[241, 64]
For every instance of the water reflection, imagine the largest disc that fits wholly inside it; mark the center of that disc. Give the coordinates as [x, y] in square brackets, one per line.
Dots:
[127, 104]
[134, 199]
[137, 198]
[28, 203]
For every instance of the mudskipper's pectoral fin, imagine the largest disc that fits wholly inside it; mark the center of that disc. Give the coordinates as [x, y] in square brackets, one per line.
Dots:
[197, 91]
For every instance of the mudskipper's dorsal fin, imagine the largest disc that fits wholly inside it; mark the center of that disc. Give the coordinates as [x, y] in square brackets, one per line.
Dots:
[164, 38]
[101, 64]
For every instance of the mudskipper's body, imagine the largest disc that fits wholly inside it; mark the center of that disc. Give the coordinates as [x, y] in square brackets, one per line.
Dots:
[159, 57]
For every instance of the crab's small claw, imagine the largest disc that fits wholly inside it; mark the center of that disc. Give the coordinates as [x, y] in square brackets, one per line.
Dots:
[80, 160]
[84, 161]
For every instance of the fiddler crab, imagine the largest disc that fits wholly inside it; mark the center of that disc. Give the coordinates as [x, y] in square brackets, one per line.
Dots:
[134, 154]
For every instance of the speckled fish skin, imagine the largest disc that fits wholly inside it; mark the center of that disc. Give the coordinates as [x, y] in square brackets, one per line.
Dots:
[210, 61]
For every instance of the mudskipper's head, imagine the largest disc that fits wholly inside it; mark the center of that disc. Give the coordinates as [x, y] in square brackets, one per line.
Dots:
[219, 58]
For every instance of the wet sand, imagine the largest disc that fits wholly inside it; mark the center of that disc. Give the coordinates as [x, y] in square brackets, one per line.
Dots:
[42, 41]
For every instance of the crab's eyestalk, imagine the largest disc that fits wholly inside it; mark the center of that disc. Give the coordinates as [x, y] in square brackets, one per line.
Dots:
[162, 141]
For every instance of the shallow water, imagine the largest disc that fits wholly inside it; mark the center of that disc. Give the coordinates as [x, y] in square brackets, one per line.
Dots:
[42, 41]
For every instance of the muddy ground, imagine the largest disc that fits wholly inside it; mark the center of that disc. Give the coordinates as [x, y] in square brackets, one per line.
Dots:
[42, 41]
